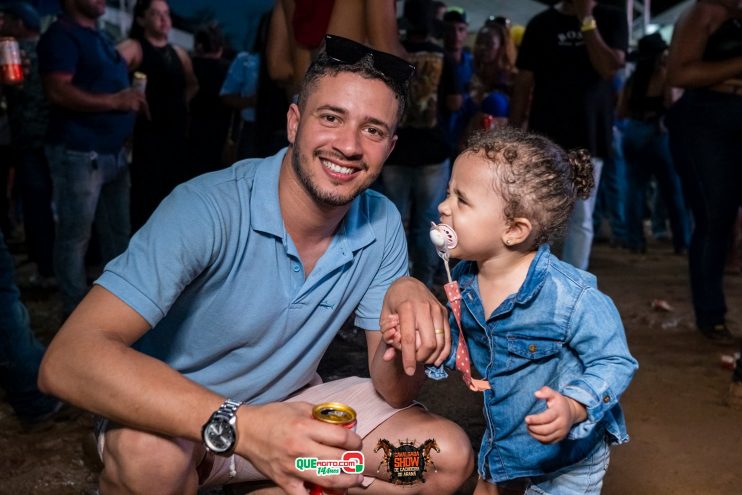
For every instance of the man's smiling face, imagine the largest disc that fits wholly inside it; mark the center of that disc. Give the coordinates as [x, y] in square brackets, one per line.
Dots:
[342, 136]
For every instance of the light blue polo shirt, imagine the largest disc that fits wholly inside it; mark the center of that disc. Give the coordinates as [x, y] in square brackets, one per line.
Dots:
[218, 277]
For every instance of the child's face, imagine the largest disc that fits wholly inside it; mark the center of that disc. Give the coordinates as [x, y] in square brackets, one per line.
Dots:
[474, 209]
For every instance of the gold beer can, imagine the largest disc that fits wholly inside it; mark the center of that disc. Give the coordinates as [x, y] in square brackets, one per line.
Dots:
[335, 413]
[139, 81]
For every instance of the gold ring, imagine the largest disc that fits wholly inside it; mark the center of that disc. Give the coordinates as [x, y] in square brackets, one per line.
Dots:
[439, 331]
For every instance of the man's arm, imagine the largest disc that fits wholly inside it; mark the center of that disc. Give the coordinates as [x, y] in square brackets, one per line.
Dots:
[131, 51]
[397, 376]
[604, 59]
[389, 377]
[522, 87]
[90, 364]
[60, 91]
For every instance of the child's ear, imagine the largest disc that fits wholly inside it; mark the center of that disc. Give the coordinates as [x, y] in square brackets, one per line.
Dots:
[518, 231]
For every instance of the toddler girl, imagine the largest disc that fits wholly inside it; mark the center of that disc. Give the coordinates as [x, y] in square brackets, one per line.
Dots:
[550, 345]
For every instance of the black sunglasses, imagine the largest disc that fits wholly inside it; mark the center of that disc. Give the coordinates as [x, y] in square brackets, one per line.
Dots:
[347, 51]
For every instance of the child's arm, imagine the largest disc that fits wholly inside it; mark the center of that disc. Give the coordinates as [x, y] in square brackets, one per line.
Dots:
[597, 336]
[561, 414]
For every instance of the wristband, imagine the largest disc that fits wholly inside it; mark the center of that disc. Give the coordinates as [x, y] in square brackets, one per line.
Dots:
[588, 24]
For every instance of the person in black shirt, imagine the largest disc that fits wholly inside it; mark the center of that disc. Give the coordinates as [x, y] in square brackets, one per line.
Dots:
[567, 58]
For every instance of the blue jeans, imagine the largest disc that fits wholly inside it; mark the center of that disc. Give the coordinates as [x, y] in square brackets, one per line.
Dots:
[88, 187]
[705, 131]
[38, 219]
[417, 191]
[610, 203]
[20, 351]
[578, 240]
[647, 152]
[583, 478]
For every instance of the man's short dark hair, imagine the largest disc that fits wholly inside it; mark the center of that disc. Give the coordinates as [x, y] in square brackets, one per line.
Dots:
[456, 16]
[325, 66]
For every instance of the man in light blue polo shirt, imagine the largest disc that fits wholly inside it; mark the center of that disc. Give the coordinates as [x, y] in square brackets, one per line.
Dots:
[235, 288]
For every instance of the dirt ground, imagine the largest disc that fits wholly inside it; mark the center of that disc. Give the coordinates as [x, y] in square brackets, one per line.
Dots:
[684, 440]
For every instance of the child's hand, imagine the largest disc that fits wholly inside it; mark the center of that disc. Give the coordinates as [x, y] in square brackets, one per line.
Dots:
[553, 425]
[392, 336]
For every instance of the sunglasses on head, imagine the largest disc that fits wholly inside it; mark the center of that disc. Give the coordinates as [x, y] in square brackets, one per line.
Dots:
[347, 51]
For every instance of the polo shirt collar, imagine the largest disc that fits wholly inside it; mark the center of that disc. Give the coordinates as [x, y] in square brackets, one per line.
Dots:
[355, 230]
[264, 206]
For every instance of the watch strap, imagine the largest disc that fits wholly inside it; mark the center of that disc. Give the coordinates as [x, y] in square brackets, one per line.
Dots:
[228, 408]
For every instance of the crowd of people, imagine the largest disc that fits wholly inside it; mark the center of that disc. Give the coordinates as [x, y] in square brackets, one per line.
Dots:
[246, 207]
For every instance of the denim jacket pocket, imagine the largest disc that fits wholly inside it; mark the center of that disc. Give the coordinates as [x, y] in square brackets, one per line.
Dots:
[525, 349]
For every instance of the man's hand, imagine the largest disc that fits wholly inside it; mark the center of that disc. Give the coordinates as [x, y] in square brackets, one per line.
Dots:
[424, 334]
[131, 100]
[273, 436]
[553, 425]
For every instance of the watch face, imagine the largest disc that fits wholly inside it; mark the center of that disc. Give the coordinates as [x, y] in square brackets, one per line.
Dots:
[219, 436]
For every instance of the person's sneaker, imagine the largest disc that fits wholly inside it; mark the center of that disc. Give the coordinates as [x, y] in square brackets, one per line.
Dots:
[734, 395]
[717, 333]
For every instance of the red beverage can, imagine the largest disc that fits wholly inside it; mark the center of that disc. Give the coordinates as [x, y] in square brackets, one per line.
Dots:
[488, 121]
[11, 71]
[339, 414]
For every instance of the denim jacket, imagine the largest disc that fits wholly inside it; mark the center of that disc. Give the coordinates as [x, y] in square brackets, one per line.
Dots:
[558, 330]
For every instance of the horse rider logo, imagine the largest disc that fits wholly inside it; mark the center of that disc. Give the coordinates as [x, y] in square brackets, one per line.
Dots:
[407, 462]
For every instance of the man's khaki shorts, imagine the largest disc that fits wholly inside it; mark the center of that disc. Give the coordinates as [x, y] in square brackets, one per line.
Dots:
[358, 393]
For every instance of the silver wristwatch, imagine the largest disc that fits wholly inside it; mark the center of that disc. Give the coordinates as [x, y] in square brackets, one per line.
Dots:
[219, 433]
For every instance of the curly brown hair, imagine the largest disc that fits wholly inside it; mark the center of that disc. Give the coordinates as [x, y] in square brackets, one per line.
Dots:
[537, 179]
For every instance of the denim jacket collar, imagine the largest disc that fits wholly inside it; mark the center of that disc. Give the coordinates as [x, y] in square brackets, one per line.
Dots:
[530, 288]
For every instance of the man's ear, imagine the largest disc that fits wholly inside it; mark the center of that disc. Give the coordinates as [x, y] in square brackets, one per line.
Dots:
[518, 232]
[292, 122]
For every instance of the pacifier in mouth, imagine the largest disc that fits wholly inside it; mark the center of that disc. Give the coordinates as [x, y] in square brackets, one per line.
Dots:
[443, 237]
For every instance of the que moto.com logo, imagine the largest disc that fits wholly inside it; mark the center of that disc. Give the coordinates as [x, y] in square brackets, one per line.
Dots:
[350, 463]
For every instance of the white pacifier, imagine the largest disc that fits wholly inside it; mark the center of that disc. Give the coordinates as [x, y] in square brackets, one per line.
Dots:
[443, 238]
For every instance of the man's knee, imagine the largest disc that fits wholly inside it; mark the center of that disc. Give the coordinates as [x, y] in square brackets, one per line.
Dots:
[451, 459]
[455, 461]
[140, 462]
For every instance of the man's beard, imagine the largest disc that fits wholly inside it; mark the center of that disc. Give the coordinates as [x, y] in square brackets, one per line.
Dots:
[322, 197]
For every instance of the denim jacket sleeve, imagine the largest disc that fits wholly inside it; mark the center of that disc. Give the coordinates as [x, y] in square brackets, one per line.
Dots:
[597, 336]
